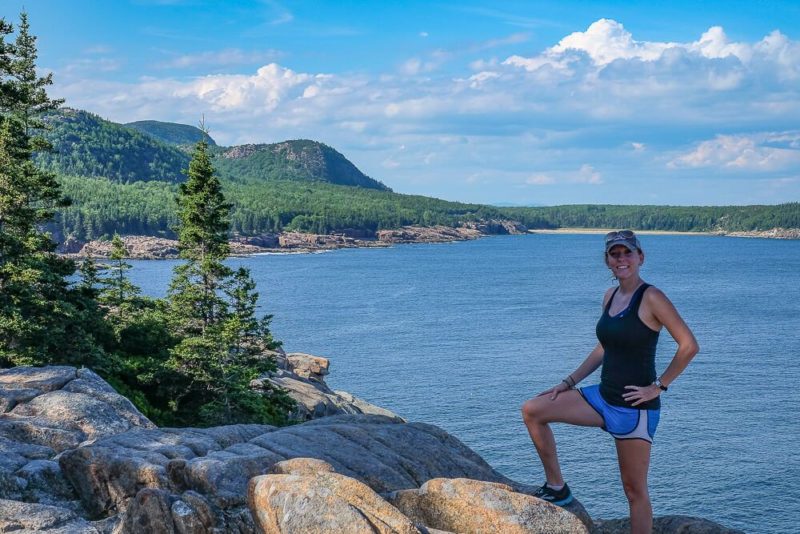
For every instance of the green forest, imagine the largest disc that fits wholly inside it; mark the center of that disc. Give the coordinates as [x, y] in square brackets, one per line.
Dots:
[124, 178]
[672, 218]
[101, 207]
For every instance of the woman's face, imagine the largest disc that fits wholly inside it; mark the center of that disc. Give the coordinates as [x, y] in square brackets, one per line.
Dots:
[623, 262]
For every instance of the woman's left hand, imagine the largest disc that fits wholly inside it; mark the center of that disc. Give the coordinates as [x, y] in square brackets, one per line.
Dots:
[639, 394]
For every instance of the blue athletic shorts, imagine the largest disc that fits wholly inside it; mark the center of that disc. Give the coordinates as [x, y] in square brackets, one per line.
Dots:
[622, 422]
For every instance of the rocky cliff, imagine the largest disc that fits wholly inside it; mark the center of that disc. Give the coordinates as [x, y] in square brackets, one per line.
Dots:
[76, 457]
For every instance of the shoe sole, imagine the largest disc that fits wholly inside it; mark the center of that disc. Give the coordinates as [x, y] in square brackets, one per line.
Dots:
[562, 502]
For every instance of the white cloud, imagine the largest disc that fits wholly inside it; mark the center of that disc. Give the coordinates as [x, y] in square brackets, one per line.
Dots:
[99, 49]
[279, 14]
[586, 174]
[227, 57]
[84, 65]
[758, 152]
[521, 122]
[540, 179]
[607, 40]
[432, 62]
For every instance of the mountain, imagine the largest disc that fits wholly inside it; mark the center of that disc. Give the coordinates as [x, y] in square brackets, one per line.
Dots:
[171, 132]
[122, 180]
[88, 145]
[298, 160]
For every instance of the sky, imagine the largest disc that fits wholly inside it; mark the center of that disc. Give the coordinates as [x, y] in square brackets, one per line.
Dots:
[508, 103]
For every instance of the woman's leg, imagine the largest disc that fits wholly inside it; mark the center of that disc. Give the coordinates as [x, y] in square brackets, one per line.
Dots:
[634, 461]
[538, 412]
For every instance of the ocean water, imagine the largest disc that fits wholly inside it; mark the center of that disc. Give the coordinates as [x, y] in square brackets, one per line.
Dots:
[461, 334]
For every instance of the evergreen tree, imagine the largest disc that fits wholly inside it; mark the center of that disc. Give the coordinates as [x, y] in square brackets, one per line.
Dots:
[202, 241]
[118, 292]
[213, 310]
[89, 278]
[42, 319]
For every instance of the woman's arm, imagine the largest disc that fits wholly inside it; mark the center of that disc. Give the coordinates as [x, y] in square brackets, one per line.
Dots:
[589, 366]
[662, 311]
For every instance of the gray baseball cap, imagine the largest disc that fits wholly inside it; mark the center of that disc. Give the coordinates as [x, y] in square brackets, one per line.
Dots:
[625, 238]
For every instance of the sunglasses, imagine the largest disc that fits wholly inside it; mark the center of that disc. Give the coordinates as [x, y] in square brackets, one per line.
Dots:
[620, 234]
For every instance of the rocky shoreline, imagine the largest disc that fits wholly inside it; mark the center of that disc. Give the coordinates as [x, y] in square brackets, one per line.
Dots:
[774, 233]
[77, 457]
[147, 247]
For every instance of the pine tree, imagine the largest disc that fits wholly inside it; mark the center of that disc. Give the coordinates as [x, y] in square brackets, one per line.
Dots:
[118, 291]
[89, 278]
[213, 309]
[42, 319]
[203, 242]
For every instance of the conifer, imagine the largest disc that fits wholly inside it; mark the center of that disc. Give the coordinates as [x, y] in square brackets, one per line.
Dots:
[42, 319]
[222, 347]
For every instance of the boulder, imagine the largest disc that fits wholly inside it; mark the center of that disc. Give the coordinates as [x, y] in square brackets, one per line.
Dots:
[473, 506]
[77, 457]
[261, 241]
[298, 240]
[314, 499]
[430, 234]
[143, 247]
[216, 464]
[24, 518]
[669, 524]
[302, 377]
[45, 411]
[301, 466]
[158, 512]
[308, 366]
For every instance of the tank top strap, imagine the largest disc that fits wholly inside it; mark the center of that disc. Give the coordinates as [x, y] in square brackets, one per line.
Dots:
[636, 300]
[611, 299]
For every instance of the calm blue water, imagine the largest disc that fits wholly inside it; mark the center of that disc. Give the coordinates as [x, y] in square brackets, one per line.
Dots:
[459, 335]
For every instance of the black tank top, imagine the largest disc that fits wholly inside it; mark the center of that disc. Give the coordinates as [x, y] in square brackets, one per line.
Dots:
[630, 352]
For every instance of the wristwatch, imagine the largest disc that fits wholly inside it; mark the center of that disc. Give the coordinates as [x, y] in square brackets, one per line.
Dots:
[661, 386]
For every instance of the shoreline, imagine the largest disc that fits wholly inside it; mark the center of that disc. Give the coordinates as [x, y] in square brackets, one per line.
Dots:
[774, 233]
[579, 230]
[148, 247]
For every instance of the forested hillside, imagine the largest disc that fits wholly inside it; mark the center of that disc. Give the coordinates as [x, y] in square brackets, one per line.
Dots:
[87, 145]
[301, 160]
[171, 133]
[101, 207]
[123, 179]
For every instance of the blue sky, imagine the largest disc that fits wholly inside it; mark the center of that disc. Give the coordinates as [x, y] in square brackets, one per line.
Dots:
[530, 103]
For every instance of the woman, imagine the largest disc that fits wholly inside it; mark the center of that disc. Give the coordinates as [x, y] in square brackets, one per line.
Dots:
[626, 403]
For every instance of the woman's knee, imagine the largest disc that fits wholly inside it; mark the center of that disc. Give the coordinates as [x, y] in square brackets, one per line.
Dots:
[531, 410]
[635, 491]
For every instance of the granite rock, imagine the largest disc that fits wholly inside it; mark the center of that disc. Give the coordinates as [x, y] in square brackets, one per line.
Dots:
[473, 506]
[669, 524]
[322, 501]
[45, 411]
[302, 377]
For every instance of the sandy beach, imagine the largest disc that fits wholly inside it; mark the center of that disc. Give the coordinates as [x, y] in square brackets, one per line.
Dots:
[606, 230]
